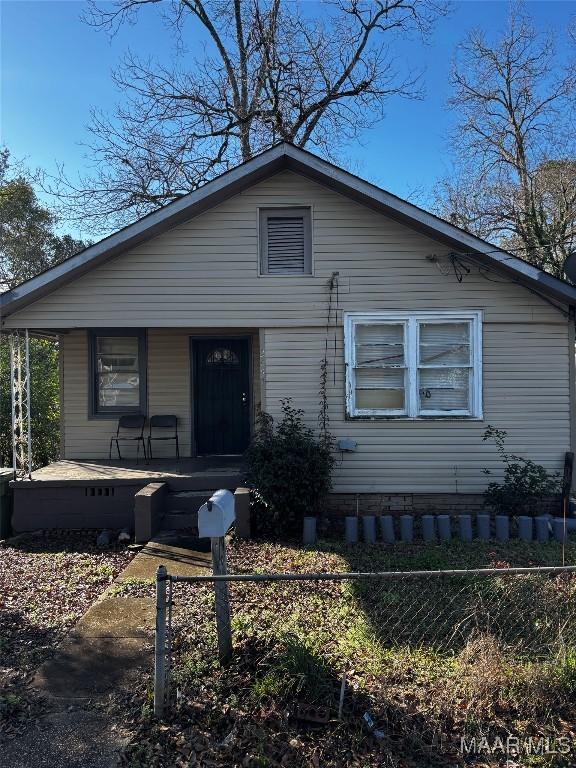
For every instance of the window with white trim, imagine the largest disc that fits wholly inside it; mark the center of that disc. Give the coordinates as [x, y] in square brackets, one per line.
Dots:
[414, 365]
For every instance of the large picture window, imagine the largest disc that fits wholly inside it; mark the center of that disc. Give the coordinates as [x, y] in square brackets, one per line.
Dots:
[414, 364]
[118, 366]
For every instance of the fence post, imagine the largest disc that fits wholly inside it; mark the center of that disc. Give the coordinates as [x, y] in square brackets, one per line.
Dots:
[160, 642]
[222, 600]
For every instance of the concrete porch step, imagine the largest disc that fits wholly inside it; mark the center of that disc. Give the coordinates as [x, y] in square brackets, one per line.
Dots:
[187, 501]
[203, 480]
[177, 520]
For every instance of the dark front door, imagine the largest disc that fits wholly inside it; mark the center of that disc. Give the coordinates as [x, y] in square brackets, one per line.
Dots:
[221, 395]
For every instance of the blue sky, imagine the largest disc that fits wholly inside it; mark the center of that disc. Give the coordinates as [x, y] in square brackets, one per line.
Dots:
[55, 68]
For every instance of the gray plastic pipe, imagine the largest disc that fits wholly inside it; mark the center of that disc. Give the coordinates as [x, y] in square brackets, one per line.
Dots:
[406, 528]
[351, 530]
[465, 527]
[525, 528]
[502, 527]
[309, 531]
[559, 529]
[542, 529]
[369, 528]
[444, 528]
[483, 525]
[428, 528]
[387, 526]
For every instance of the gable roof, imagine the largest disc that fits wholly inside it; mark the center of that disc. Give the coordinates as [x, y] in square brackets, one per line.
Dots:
[284, 157]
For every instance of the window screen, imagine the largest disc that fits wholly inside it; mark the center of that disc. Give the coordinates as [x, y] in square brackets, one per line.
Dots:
[380, 367]
[444, 366]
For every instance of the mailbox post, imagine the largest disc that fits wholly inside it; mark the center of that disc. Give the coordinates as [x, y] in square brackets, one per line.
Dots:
[214, 520]
[223, 625]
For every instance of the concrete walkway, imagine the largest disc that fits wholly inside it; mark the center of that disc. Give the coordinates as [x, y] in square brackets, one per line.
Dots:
[108, 649]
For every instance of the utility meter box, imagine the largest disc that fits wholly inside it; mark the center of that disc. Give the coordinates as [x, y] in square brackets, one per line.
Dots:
[217, 515]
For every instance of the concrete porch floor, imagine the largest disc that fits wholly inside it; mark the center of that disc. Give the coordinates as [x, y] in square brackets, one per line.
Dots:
[127, 471]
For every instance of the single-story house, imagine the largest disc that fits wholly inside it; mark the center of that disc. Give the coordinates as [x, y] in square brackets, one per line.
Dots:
[229, 299]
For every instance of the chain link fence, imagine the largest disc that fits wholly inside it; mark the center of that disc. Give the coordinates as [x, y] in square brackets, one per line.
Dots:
[423, 662]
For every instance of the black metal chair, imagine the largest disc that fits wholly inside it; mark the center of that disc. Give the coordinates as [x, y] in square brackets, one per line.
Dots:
[163, 423]
[127, 426]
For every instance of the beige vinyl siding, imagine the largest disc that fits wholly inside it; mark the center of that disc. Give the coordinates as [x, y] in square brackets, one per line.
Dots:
[169, 391]
[525, 388]
[204, 273]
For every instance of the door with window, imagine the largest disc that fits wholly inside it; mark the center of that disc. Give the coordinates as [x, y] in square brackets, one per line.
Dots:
[221, 384]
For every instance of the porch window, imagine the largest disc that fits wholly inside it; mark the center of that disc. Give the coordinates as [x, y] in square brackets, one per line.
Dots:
[415, 365]
[118, 372]
[285, 241]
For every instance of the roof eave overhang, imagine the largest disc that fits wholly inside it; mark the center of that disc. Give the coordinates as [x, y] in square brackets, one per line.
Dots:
[284, 157]
[225, 186]
[437, 229]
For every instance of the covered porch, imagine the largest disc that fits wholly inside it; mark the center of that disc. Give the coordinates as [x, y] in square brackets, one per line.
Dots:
[175, 472]
[75, 494]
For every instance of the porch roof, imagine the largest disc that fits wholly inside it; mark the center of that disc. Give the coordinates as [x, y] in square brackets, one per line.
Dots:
[285, 157]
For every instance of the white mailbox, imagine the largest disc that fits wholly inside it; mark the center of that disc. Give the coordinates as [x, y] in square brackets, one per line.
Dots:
[217, 515]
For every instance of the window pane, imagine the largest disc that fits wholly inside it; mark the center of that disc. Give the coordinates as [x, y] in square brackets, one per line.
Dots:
[379, 345]
[444, 389]
[117, 389]
[380, 388]
[380, 399]
[117, 371]
[117, 353]
[222, 356]
[444, 343]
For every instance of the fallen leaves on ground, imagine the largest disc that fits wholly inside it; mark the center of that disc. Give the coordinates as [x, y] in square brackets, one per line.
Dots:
[293, 641]
[47, 581]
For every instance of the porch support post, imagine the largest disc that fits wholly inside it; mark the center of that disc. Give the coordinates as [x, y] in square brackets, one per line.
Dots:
[20, 397]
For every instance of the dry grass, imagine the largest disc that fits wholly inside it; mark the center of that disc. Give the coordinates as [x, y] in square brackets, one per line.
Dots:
[47, 582]
[427, 681]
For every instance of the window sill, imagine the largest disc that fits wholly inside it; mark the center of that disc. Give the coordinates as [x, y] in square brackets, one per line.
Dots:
[113, 416]
[448, 417]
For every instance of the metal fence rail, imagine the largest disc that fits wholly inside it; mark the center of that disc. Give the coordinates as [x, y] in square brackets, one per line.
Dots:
[414, 607]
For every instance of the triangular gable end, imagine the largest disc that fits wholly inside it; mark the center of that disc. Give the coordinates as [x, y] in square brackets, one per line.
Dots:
[284, 157]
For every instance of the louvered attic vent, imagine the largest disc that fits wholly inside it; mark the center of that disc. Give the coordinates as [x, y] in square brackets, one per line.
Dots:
[285, 241]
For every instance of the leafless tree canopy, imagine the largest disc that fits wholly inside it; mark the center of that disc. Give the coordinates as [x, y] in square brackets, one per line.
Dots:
[513, 147]
[270, 71]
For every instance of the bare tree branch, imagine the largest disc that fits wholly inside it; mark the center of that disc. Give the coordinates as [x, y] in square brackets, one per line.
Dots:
[269, 72]
[513, 144]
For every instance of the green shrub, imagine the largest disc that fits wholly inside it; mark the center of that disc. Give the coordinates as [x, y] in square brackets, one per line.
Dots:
[525, 483]
[289, 469]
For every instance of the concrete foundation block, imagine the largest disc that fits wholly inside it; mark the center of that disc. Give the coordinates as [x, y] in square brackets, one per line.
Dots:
[148, 509]
[369, 529]
[406, 528]
[465, 527]
[502, 527]
[428, 528]
[242, 526]
[351, 530]
[387, 528]
[444, 527]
